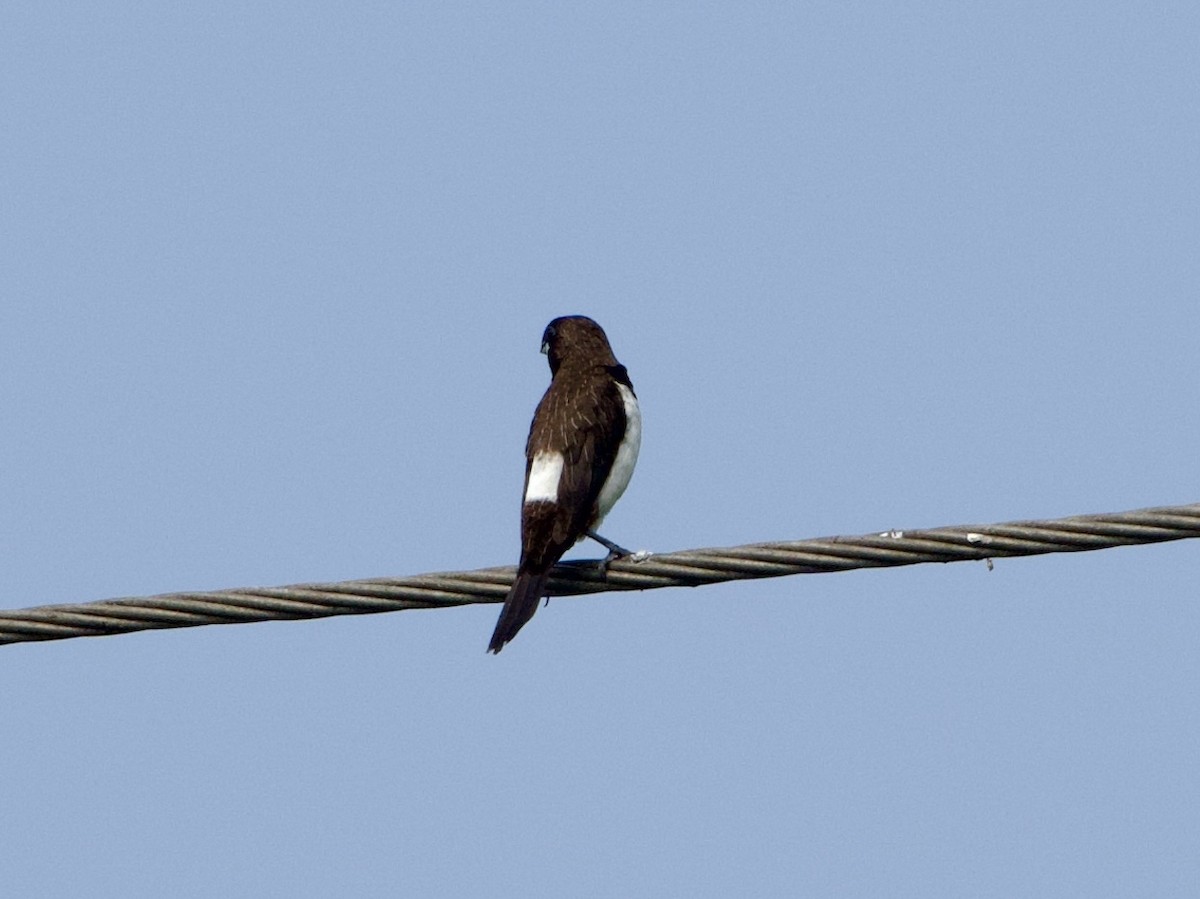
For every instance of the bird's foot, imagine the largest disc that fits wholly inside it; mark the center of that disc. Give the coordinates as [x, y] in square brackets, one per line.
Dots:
[640, 556]
[617, 552]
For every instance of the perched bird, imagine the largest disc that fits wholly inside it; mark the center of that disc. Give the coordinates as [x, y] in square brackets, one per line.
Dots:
[582, 447]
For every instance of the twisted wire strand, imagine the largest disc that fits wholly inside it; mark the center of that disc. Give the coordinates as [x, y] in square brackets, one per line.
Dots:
[689, 568]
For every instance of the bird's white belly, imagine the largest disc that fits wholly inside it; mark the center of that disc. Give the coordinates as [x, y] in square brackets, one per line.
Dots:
[627, 453]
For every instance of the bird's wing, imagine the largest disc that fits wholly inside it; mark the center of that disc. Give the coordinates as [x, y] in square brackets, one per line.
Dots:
[584, 422]
[590, 457]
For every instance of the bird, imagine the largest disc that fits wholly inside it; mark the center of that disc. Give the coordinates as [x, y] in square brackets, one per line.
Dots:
[582, 448]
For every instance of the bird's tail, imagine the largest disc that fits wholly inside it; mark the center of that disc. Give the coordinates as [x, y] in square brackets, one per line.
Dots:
[522, 602]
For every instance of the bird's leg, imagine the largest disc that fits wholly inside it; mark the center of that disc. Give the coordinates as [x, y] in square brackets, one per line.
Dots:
[615, 551]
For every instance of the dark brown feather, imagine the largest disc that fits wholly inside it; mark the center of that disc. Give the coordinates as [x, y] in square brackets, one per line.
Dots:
[522, 602]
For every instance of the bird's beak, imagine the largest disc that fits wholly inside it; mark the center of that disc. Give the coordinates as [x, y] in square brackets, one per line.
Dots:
[545, 348]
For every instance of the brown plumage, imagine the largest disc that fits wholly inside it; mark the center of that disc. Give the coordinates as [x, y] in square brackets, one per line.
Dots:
[582, 446]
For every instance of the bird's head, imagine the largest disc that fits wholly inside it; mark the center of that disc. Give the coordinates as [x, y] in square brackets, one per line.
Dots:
[576, 338]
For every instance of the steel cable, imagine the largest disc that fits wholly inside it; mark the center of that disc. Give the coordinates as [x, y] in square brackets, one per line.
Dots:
[688, 568]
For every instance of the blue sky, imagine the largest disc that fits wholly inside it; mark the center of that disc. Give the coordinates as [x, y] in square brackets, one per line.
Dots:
[273, 283]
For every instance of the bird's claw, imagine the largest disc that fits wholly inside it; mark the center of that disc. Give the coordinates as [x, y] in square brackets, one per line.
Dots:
[621, 553]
